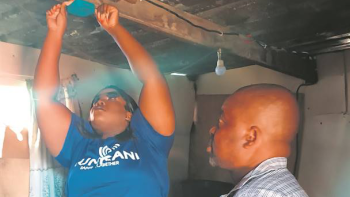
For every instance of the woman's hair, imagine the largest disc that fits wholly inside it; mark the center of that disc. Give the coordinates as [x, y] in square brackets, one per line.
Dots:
[130, 106]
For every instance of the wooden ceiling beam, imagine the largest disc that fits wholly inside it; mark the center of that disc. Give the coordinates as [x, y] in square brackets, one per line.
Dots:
[147, 14]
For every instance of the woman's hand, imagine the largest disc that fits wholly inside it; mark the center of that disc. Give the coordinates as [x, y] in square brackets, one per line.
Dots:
[107, 16]
[56, 19]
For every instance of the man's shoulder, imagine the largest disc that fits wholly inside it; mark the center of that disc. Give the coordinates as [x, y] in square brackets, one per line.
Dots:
[278, 183]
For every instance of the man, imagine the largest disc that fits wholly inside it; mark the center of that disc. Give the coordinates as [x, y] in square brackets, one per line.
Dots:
[252, 139]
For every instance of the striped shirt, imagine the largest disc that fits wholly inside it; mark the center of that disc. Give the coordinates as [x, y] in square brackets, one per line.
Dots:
[270, 179]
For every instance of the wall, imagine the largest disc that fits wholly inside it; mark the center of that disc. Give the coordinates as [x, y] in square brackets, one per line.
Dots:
[19, 62]
[14, 165]
[240, 77]
[14, 179]
[325, 163]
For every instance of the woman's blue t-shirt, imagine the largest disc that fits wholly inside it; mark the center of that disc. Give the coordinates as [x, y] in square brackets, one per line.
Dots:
[108, 167]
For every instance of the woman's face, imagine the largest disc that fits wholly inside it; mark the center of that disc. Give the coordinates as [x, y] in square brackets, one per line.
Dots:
[108, 115]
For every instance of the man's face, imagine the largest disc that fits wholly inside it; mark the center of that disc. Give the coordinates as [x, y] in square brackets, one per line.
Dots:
[227, 138]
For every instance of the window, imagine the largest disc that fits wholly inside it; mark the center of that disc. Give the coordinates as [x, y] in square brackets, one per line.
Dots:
[15, 118]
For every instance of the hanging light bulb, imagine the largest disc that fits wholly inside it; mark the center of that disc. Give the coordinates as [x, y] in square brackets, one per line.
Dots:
[220, 67]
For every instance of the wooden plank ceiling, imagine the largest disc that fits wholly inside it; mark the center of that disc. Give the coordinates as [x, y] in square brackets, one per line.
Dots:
[297, 30]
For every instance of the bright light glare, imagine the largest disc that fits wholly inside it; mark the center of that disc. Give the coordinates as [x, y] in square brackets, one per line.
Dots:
[14, 109]
[178, 74]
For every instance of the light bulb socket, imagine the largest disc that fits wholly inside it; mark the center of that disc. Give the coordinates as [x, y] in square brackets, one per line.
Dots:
[219, 53]
[220, 63]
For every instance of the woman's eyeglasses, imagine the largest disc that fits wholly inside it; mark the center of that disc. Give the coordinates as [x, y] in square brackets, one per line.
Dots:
[110, 95]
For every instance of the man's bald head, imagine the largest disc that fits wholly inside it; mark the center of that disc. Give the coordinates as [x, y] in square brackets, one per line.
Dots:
[271, 107]
[258, 122]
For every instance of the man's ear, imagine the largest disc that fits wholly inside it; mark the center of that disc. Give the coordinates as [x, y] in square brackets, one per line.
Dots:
[128, 116]
[251, 136]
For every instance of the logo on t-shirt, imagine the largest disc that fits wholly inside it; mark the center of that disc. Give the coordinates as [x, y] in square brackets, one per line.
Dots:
[108, 157]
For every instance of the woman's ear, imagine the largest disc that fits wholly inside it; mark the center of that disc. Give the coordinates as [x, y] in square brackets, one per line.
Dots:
[90, 118]
[251, 136]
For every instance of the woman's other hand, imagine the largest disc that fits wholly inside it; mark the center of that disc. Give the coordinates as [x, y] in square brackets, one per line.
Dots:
[107, 16]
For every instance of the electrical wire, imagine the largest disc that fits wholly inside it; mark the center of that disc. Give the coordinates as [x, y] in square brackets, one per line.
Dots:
[297, 155]
[190, 22]
[298, 89]
[249, 37]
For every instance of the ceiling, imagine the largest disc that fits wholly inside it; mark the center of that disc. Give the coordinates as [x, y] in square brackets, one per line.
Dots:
[302, 28]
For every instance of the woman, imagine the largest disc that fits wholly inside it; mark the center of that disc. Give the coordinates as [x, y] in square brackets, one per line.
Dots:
[122, 150]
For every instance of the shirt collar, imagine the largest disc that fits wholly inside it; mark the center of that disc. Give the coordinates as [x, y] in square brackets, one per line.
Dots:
[266, 166]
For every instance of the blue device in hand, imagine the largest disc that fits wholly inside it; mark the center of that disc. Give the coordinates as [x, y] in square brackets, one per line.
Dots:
[81, 8]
